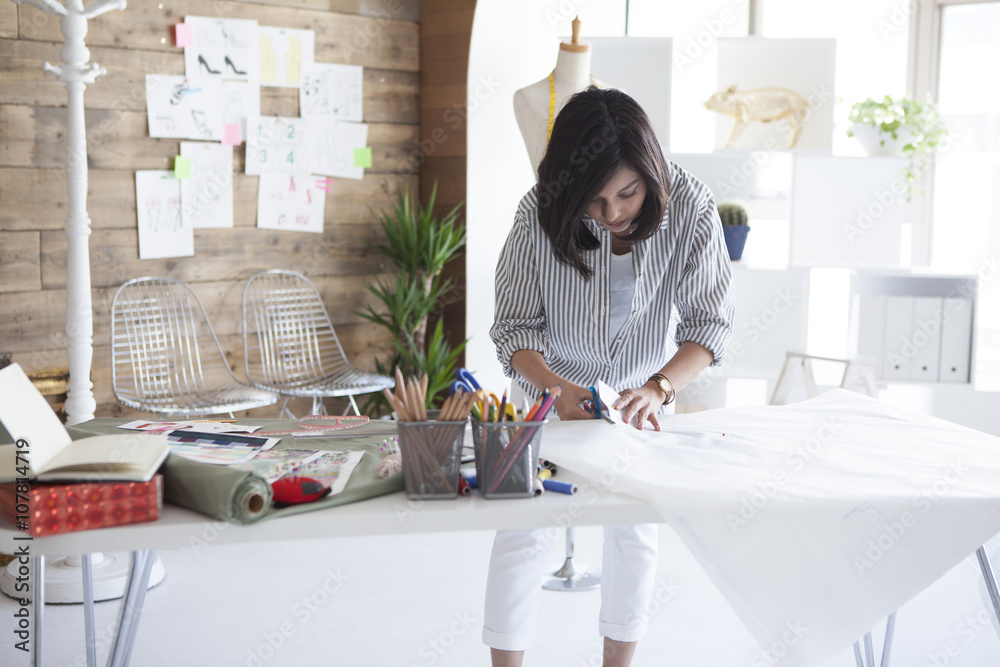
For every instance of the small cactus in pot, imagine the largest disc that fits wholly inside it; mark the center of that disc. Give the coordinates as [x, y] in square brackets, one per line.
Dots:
[734, 228]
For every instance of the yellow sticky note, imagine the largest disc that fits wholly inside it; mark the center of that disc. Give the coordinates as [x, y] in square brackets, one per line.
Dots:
[182, 168]
[363, 157]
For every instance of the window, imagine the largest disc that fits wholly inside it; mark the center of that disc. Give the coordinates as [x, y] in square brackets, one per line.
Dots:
[966, 187]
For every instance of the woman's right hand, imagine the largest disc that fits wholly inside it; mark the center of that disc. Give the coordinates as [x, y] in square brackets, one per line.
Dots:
[568, 405]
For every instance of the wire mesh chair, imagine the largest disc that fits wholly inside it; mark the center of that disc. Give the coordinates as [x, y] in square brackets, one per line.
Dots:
[289, 345]
[166, 358]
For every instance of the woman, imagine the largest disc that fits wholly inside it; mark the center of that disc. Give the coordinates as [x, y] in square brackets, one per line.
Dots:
[610, 242]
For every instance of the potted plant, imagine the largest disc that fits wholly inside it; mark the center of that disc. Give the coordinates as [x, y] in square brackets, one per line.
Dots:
[900, 127]
[734, 228]
[419, 245]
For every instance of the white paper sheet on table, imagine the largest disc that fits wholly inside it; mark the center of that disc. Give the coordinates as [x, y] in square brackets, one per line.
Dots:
[332, 90]
[816, 519]
[207, 196]
[222, 48]
[332, 147]
[199, 425]
[162, 232]
[294, 203]
[283, 54]
[183, 108]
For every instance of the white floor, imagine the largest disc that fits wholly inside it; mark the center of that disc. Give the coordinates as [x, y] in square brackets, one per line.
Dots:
[416, 600]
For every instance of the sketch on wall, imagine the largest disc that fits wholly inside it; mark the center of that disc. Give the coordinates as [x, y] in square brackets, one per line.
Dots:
[222, 48]
[334, 145]
[240, 100]
[182, 108]
[207, 194]
[291, 202]
[162, 232]
[332, 90]
[277, 145]
[283, 54]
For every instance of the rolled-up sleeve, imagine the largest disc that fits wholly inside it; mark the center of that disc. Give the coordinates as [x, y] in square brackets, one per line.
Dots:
[519, 315]
[704, 298]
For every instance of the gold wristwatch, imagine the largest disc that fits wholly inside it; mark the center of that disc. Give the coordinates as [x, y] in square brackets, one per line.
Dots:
[665, 385]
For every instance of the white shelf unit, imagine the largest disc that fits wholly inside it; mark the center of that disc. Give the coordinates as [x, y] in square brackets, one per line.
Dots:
[918, 328]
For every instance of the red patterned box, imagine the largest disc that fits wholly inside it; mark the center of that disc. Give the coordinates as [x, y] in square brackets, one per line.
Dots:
[53, 509]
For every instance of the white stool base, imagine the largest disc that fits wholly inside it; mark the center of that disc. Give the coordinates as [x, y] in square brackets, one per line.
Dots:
[64, 577]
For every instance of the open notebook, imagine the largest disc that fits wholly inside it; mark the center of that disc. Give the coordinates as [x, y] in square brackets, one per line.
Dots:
[43, 450]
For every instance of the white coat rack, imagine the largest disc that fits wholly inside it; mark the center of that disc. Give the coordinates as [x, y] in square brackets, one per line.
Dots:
[76, 74]
[108, 577]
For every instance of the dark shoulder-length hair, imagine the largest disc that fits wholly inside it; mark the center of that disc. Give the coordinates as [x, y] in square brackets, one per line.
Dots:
[598, 132]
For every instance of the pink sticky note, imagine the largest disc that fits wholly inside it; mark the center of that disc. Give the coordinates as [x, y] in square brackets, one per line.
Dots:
[231, 135]
[183, 35]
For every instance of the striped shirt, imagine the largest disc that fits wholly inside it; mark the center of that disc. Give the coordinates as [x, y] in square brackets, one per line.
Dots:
[682, 270]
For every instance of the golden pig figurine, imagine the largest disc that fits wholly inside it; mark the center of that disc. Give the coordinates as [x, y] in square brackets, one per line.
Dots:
[760, 104]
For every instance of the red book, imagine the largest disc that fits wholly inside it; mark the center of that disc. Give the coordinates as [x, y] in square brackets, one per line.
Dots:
[51, 509]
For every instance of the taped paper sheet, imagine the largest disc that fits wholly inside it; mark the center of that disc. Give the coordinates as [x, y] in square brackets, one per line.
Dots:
[162, 232]
[183, 108]
[815, 520]
[207, 196]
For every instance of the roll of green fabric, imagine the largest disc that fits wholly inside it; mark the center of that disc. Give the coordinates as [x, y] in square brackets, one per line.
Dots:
[216, 490]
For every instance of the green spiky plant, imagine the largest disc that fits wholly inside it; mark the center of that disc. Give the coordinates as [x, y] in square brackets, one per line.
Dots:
[732, 214]
[419, 245]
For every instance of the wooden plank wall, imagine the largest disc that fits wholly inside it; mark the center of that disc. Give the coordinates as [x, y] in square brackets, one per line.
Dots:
[445, 35]
[381, 35]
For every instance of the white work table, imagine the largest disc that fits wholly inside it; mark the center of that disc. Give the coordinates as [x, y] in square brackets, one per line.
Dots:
[827, 514]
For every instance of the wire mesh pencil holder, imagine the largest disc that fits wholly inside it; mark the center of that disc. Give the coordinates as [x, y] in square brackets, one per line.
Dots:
[432, 455]
[507, 457]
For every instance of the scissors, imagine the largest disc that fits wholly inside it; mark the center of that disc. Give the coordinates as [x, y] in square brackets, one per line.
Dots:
[490, 401]
[464, 382]
[598, 410]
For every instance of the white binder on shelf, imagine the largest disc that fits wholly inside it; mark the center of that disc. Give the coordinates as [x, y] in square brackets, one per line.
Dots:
[871, 329]
[925, 338]
[956, 340]
[897, 345]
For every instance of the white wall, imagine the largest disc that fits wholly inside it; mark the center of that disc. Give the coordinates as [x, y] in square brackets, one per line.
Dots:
[514, 43]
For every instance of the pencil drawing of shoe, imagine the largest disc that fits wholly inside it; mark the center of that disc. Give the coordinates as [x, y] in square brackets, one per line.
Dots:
[179, 90]
[203, 62]
[233, 40]
[199, 122]
[233, 67]
[208, 36]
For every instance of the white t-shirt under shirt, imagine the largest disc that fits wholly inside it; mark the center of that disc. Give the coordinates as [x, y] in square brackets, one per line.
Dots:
[622, 283]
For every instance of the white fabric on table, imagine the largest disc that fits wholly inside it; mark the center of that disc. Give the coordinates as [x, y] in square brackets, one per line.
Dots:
[816, 519]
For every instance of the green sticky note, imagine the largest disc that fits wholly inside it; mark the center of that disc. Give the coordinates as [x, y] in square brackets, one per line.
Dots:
[182, 167]
[363, 157]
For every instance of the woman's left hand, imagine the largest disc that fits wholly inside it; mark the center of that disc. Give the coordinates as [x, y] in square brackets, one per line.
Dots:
[639, 405]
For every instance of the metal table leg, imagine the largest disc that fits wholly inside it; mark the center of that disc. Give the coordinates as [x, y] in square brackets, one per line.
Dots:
[569, 577]
[990, 579]
[131, 609]
[890, 629]
[869, 658]
[38, 606]
[88, 610]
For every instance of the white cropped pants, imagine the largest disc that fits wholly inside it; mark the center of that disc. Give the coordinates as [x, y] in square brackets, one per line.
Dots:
[517, 569]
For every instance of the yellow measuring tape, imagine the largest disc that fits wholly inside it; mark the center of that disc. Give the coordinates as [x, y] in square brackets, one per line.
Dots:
[552, 103]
